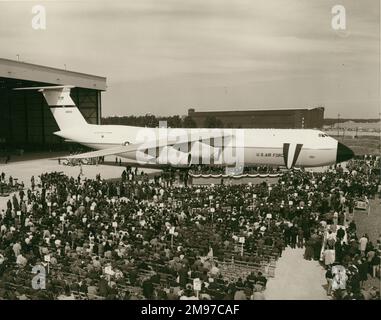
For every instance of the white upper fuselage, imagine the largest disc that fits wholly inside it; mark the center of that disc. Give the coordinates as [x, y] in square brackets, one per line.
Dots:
[259, 146]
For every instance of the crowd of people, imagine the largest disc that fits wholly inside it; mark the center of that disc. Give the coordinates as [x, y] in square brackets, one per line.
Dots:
[9, 185]
[153, 238]
[206, 169]
[351, 258]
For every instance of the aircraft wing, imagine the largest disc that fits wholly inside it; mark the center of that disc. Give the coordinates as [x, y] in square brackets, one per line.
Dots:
[159, 143]
[102, 153]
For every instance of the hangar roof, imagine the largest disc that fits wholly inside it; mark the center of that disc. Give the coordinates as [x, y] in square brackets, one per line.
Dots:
[33, 72]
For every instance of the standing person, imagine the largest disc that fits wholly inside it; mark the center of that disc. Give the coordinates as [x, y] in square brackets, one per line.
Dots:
[186, 177]
[17, 248]
[338, 252]
[240, 294]
[340, 278]
[309, 251]
[341, 218]
[257, 295]
[15, 203]
[300, 238]
[329, 256]
[362, 244]
[32, 182]
[329, 278]
[363, 270]
[340, 234]
[352, 227]
[9, 205]
[287, 235]
[367, 205]
[148, 289]
[375, 264]
[294, 235]
[261, 280]
[279, 244]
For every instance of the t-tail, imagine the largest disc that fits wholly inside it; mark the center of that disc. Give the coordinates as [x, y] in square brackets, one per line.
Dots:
[62, 106]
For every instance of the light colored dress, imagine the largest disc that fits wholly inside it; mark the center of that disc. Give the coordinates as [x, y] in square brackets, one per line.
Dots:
[339, 280]
[329, 257]
[363, 242]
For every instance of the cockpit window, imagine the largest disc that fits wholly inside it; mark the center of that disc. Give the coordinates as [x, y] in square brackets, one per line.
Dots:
[323, 135]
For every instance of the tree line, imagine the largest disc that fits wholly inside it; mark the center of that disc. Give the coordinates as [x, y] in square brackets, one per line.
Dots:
[153, 121]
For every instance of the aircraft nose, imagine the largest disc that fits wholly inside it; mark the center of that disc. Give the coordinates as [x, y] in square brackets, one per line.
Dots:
[343, 153]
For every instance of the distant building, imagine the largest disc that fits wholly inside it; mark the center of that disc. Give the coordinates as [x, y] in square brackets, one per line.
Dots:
[263, 118]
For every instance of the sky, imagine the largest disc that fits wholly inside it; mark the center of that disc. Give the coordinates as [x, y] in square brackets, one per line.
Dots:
[166, 56]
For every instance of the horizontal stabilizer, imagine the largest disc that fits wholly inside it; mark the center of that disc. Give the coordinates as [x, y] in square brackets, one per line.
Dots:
[45, 88]
[55, 95]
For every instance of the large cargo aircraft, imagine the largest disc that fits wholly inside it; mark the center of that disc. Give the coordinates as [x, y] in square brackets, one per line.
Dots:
[179, 147]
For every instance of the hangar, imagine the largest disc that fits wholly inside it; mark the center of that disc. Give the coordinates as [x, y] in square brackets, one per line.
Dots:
[26, 121]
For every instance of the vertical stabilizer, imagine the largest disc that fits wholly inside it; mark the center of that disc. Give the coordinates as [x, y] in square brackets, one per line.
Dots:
[62, 106]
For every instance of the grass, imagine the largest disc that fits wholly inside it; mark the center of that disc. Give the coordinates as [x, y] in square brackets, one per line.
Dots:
[363, 144]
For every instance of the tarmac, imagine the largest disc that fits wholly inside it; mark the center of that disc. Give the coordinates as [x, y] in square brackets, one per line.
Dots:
[24, 170]
[296, 278]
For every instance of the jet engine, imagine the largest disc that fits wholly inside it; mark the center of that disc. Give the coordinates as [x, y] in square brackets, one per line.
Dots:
[174, 157]
[203, 153]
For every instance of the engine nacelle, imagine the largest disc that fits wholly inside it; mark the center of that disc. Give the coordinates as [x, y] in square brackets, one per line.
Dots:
[174, 157]
[203, 153]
